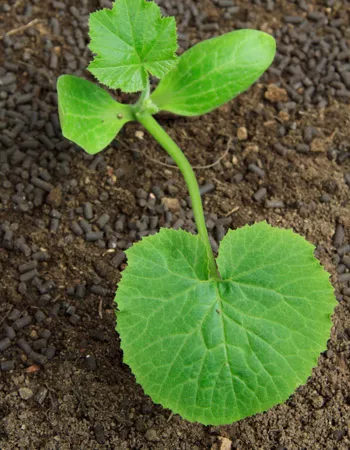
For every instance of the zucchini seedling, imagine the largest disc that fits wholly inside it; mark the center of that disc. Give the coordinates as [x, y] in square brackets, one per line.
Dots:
[213, 339]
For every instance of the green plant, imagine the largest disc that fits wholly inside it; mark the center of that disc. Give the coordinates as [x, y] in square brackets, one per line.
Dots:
[213, 340]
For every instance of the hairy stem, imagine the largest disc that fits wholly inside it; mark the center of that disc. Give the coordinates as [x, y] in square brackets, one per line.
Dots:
[153, 127]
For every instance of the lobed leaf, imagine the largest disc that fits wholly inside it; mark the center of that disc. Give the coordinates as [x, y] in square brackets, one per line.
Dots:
[214, 71]
[218, 351]
[89, 116]
[130, 40]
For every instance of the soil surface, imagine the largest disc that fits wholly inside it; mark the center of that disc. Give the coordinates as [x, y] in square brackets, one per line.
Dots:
[280, 152]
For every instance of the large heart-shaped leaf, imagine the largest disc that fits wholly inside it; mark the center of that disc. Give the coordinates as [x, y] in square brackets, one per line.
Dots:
[89, 116]
[214, 71]
[216, 351]
[130, 40]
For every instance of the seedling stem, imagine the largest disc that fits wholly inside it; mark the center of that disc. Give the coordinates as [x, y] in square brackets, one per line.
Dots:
[173, 150]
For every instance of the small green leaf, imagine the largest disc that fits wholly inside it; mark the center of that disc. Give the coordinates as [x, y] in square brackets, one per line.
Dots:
[218, 351]
[130, 40]
[214, 71]
[88, 114]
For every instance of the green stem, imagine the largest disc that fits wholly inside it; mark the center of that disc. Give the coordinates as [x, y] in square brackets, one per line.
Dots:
[143, 97]
[153, 127]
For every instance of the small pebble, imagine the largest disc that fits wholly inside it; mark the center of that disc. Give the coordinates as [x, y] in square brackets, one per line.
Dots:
[339, 236]
[112, 242]
[39, 344]
[23, 345]
[295, 20]
[325, 198]
[10, 332]
[27, 266]
[50, 352]
[274, 204]
[347, 178]
[280, 149]
[55, 309]
[41, 256]
[344, 277]
[77, 230]
[257, 170]
[151, 435]
[94, 236]
[140, 425]
[99, 335]
[302, 148]
[242, 134]
[22, 322]
[27, 276]
[45, 334]
[214, 244]
[237, 178]
[7, 365]
[45, 186]
[74, 319]
[206, 188]
[54, 225]
[90, 362]
[103, 220]
[14, 314]
[99, 433]
[99, 290]
[171, 204]
[40, 396]
[260, 194]
[346, 261]
[119, 258]
[343, 249]
[80, 291]
[38, 358]
[87, 210]
[339, 434]
[25, 393]
[71, 310]
[44, 300]
[85, 226]
[341, 268]
[5, 344]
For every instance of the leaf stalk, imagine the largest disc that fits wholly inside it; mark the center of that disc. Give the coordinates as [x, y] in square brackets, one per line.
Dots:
[162, 137]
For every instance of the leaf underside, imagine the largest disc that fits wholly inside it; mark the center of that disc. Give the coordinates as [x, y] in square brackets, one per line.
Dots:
[218, 351]
[215, 71]
[89, 116]
[130, 40]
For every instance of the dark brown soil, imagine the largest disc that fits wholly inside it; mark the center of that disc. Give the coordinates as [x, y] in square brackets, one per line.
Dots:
[85, 397]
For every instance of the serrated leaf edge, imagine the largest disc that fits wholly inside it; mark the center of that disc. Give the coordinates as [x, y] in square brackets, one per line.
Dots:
[123, 86]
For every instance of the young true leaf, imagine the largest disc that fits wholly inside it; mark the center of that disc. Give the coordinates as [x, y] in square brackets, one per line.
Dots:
[215, 71]
[88, 114]
[216, 351]
[130, 40]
